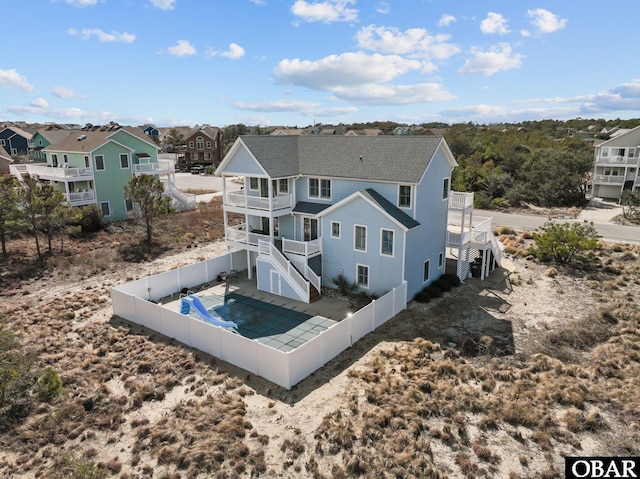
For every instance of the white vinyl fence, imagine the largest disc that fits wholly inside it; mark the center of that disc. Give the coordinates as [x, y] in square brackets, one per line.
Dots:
[133, 302]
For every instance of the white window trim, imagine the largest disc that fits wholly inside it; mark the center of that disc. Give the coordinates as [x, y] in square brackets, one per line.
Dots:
[104, 165]
[128, 161]
[393, 241]
[320, 179]
[440, 260]
[257, 188]
[280, 191]
[339, 230]
[126, 208]
[406, 207]
[108, 207]
[2, 142]
[355, 227]
[448, 180]
[427, 262]
[358, 265]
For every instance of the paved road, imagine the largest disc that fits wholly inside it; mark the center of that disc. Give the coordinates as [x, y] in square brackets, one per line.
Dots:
[609, 231]
[186, 181]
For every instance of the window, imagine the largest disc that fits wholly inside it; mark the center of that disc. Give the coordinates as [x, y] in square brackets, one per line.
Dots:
[191, 144]
[283, 185]
[54, 159]
[310, 229]
[404, 196]
[445, 188]
[208, 145]
[386, 242]
[362, 276]
[128, 205]
[440, 260]
[325, 189]
[253, 183]
[86, 161]
[39, 142]
[632, 152]
[2, 143]
[360, 238]
[124, 161]
[200, 143]
[335, 229]
[425, 271]
[99, 163]
[65, 159]
[276, 228]
[105, 209]
[319, 188]
[605, 152]
[314, 187]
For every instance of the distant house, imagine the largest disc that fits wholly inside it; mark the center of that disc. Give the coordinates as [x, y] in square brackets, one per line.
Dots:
[365, 132]
[16, 141]
[93, 165]
[373, 210]
[45, 137]
[150, 130]
[5, 161]
[203, 147]
[617, 165]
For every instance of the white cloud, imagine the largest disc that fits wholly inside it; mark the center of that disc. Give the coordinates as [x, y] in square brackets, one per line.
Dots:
[394, 94]
[164, 4]
[39, 103]
[83, 3]
[446, 20]
[308, 108]
[494, 23]
[496, 59]
[347, 69]
[87, 33]
[64, 92]
[328, 11]
[13, 79]
[259, 2]
[182, 48]
[383, 8]
[525, 33]
[413, 40]
[545, 21]
[235, 51]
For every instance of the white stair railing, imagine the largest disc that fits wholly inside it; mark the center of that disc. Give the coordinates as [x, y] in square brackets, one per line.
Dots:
[298, 283]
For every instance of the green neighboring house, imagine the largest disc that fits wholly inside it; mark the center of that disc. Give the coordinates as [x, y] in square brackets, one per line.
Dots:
[92, 166]
[45, 137]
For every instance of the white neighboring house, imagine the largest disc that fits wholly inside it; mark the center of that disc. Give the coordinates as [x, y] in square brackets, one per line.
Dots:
[617, 165]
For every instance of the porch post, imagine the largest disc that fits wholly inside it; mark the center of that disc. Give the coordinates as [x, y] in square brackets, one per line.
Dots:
[224, 202]
[249, 269]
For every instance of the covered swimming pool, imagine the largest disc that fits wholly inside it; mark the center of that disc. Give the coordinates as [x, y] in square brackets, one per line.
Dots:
[273, 325]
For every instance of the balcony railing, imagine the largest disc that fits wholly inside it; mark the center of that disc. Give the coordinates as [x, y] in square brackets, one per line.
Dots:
[481, 233]
[154, 168]
[239, 234]
[303, 248]
[617, 160]
[610, 179]
[81, 198]
[460, 201]
[241, 200]
[59, 173]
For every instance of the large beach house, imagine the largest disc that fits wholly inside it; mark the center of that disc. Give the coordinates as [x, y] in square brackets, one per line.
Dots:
[617, 165]
[371, 211]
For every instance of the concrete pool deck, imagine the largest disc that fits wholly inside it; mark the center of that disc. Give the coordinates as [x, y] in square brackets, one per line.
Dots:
[273, 320]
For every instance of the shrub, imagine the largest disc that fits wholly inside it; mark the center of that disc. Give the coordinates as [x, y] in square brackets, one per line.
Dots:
[451, 278]
[17, 380]
[49, 385]
[562, 242]
[91, 220]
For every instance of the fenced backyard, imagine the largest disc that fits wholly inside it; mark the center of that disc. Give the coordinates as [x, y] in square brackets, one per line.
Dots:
[136, 302]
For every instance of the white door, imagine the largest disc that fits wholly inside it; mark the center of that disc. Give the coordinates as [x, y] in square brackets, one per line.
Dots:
[275, 282]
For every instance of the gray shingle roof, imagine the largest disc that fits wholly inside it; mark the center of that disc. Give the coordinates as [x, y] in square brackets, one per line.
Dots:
[391, 209]
[381, 158]
[278, 155]
[309, 208]
[92, 140]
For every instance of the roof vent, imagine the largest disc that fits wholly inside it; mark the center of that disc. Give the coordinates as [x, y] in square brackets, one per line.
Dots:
[82, 137]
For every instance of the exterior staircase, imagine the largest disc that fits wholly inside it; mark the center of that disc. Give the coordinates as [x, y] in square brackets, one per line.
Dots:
[181, 201]
[305, 283]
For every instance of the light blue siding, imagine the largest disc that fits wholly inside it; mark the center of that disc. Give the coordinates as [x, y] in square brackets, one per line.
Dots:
[428, 240]
[340, 189]
[242, 163]
[339, 255]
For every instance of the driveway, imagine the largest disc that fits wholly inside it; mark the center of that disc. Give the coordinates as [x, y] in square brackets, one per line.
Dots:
[187, 181]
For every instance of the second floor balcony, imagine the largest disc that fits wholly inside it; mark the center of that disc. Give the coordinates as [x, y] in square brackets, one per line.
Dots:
[617, 160]
[460, 201]
[154, 168]
[478, 234]
[81, 198]
[240, 201]
[609, 179]
[60, 173]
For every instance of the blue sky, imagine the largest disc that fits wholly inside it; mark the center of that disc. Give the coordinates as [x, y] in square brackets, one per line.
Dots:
[293, 62]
